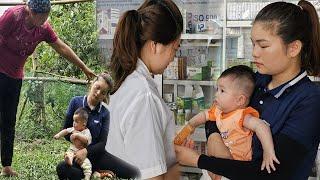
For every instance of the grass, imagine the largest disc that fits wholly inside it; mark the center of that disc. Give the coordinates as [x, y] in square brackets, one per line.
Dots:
[37, 159]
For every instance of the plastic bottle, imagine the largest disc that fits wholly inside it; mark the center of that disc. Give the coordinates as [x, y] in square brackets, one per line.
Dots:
[180, 117]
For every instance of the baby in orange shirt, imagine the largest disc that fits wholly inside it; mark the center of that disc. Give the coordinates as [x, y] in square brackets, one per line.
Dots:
[235, 120]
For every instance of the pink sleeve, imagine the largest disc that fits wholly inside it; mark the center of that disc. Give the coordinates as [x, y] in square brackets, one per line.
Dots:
[51, 36]
[6, 23]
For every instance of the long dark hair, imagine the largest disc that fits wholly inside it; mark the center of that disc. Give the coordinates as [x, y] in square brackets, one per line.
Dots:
[296, 22]
[156, 20]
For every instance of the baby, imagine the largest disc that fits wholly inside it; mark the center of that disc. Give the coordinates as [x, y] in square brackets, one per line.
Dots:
[235, 120]
[80, 138]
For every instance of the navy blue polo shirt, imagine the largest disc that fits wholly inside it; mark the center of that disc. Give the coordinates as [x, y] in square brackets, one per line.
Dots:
[291, 109]
[98, 120]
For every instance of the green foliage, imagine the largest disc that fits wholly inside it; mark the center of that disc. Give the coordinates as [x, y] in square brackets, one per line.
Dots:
[75, 24]
[43, 118]
[38, 159]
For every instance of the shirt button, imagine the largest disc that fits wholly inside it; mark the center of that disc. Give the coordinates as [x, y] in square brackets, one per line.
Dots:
[260, 102]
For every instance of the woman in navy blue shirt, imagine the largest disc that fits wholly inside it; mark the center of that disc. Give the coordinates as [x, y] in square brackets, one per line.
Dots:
[98, 124]
[286, 47]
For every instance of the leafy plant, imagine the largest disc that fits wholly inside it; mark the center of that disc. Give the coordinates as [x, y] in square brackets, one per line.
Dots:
[56, 96]
[75, 24]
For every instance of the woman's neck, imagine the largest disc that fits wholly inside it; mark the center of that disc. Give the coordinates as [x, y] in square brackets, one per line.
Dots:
[91, 102]
[283, 77]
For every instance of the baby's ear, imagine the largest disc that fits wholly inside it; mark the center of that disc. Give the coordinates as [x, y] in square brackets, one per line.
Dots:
[241, 100]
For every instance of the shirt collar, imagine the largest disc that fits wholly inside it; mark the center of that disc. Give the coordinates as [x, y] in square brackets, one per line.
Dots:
[86, 105]
[142, 69]
[278, 91]
[291, 83]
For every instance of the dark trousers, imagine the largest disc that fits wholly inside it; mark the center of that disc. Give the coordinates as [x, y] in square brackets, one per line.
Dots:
[104, 161]
[9, 100]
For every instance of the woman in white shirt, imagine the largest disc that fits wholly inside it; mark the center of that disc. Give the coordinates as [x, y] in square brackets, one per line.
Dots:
[142, 126]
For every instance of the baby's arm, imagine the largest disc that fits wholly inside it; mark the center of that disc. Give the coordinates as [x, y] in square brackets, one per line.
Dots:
[188, 129]
[264, 134]
[82, 138]
[62, 133]
[199, 119]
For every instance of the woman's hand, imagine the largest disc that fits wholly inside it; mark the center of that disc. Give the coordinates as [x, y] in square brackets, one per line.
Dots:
[88, 72]
[186, 156]
[80, 155]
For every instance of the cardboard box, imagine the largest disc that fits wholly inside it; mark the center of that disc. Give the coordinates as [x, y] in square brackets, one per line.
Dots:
[198, 73]
[184, 102]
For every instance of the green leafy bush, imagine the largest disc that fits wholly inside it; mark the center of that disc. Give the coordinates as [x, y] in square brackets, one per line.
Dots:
[75, 24]
[34, 123]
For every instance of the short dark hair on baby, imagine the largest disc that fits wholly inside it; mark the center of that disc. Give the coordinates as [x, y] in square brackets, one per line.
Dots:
[243, 76]
[82, 113]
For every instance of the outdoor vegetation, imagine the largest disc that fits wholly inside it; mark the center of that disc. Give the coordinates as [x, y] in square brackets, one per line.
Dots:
[43, 103]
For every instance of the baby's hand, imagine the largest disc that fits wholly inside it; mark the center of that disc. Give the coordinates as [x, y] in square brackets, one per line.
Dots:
[56, 136]
[268, 159]
[73, 136]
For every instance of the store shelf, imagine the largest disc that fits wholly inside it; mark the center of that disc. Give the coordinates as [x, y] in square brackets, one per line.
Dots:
[189, 82]
[191, 44]
[183, 36]
[231, 24]
[106, 36]
[190, 169]
[233, 35]
[198, 135]
[200, 36]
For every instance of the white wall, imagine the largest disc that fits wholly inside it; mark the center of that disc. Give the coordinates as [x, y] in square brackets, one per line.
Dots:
[2, 9]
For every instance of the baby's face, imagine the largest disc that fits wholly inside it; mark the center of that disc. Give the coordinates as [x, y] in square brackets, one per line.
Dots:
[226, 95]
[78, 123]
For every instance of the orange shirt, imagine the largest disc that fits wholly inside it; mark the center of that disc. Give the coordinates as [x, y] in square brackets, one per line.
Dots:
[236, 137]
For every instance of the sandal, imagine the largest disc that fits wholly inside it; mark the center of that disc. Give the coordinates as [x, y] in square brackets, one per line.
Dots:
[8, 171]
[103, 174]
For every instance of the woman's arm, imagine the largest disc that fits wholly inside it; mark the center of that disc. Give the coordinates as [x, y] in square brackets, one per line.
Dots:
[289, 152]
[65, 51]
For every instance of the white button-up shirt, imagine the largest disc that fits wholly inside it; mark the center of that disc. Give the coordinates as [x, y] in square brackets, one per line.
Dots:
[141, 125]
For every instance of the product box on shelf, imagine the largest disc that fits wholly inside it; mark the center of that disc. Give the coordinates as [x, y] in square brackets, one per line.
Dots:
[180, 117]
[182, 68]
[189, 23]
[171, 72]
[184, 102]
[198, 105]
[235, 62]
[215, 73]
[198, 73]
[168, 97]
